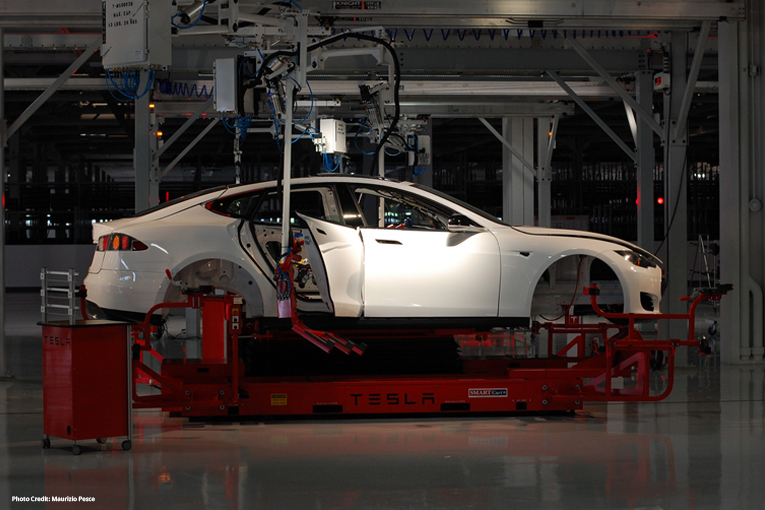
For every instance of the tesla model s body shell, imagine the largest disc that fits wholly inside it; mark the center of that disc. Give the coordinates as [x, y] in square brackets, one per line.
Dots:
[382, 249]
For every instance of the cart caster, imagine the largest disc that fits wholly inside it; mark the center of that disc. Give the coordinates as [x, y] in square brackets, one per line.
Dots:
[127, 444]
[46, 443]
[76, 449]
[101, 440]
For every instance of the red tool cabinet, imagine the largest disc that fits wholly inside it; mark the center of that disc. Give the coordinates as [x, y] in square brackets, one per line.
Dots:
[86, 381]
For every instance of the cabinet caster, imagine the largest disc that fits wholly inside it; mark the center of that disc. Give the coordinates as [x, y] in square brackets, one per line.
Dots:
[127, 444]
[46, 443]
[76, 449]
[101, 440]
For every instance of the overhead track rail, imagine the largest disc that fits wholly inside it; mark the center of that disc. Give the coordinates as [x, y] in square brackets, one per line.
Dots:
[611, 14]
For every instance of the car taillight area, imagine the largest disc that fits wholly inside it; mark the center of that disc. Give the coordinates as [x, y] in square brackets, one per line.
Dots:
[120, 242]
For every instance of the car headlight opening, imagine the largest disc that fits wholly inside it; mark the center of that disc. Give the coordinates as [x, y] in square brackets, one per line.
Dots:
[637, 259]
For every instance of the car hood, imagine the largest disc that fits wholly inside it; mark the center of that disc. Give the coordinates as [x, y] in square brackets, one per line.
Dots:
[580, 234]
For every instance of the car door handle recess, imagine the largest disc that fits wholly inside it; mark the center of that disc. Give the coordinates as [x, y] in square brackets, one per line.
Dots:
[387, 241]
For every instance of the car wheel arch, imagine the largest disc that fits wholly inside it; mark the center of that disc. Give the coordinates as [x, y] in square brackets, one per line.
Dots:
[222, 273]
[568, 257]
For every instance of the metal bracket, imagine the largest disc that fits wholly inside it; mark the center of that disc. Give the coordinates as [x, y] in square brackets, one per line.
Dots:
[529, 167]
[589, 111]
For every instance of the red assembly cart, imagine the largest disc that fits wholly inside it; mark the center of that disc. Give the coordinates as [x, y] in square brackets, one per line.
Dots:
[86, 370]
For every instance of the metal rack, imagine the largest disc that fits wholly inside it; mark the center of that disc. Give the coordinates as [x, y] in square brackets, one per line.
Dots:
[58, 293]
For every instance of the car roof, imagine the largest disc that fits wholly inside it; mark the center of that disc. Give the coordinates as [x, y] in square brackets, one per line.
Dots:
[315, 179]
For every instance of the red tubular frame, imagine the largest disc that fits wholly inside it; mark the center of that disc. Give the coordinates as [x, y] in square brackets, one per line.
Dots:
[626, 342]
[561, 382]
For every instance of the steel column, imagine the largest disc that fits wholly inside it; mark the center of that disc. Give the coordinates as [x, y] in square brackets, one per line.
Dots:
[518, 185]
[741, 170]
[734, 322]
[676, 195]
[547, 130]
[146, 178]
[645, 164]
[3, 140]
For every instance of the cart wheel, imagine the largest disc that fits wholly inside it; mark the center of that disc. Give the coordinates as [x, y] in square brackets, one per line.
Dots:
[46, 443]
[76, 449]
[127, 444]
[101, 440]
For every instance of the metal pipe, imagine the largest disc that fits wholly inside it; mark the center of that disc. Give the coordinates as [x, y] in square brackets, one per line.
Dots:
[287, 143]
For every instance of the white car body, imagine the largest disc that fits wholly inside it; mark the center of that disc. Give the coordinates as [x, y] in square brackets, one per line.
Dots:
[481, 270]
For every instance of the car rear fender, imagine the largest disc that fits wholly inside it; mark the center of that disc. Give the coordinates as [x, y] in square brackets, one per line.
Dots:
[219, 270]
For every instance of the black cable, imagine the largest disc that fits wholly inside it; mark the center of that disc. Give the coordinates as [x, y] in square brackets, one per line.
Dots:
[677, 201]
[362, 37]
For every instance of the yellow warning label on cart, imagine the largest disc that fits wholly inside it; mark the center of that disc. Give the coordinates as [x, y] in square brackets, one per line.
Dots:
[278, 399]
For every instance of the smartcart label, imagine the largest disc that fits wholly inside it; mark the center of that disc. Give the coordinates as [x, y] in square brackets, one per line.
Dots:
[487, 393]
[351, 5]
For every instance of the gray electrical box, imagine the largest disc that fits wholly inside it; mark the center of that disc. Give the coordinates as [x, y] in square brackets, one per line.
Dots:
[224, 89]
[333, 136]
[136, 33]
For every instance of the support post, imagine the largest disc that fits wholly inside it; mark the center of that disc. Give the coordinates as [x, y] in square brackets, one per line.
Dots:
[645, 164]
[741, 248]
[547, 130]
[676, 198]
[4, 373]
[518, 185]
[287, 181]
[146, 175]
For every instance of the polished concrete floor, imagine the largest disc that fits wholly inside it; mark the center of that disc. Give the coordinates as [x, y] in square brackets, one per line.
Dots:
[702, 448]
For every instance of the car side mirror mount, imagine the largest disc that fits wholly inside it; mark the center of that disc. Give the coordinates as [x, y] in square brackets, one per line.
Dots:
[461, 223]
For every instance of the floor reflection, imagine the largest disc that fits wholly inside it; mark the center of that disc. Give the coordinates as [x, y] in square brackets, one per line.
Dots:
[389, 464]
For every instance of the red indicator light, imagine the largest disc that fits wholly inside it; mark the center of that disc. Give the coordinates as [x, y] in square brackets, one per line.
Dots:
[660, 200]
[125, 242]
